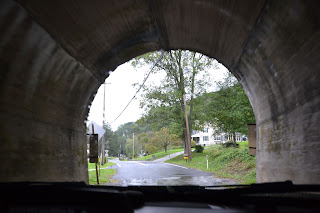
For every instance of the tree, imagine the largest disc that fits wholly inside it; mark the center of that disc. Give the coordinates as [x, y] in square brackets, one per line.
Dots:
[132, 127]
[164, 104]
[152, 142]
[193, 143]
[229, 108]
[150, 148]
[111, 142]
[125, 131]
[129, 147]
[164, 138]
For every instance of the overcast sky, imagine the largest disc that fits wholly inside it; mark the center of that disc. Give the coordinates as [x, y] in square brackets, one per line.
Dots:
[120, 91]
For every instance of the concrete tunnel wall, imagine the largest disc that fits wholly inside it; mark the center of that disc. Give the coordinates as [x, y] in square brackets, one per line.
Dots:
[55, 55]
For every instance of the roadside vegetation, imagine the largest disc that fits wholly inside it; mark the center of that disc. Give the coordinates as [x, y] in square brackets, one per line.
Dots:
[159, 154]
[105, 174]
[234, 163]
[93, 165]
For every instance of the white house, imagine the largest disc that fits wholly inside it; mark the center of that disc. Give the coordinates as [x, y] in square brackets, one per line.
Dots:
[209, 136]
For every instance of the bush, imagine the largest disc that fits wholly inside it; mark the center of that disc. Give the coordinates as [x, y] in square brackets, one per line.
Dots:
[229, 144]
[199, 149]
[150, 148]
[193, 144]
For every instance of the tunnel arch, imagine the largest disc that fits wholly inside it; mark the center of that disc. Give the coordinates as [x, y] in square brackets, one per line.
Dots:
[55, 55]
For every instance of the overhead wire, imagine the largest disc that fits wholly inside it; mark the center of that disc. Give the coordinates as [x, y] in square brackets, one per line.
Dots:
[162, 53]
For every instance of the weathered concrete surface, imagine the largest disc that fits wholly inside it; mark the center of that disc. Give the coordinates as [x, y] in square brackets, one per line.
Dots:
[280, 71]
[55, 54]
[42, 90]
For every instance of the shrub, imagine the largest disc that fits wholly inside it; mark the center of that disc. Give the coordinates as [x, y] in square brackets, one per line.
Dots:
[229, 144]
[199, 148]
[150, 148]
[193, 144]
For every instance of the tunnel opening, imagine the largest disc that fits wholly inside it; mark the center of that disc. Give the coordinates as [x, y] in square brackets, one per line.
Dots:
[203, 78]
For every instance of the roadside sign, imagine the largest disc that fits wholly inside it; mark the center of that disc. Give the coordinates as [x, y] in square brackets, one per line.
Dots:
[97, 129]
[93, 155]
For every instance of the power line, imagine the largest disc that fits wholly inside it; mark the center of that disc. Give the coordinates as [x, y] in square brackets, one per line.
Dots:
[162, 53]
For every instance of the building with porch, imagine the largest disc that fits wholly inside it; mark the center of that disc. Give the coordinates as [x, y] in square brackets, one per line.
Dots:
[210, 136]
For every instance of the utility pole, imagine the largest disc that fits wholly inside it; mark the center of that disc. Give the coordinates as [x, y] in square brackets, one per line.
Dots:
[187, 125]
[104, 118]
[133, 148]
[122, 146]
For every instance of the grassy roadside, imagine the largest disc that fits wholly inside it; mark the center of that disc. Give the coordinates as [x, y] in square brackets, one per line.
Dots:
[105, 174]
[93, 165]
[224, 162]
[159, 154]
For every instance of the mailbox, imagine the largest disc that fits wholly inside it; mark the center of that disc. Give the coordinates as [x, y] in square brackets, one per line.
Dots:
[185, 156]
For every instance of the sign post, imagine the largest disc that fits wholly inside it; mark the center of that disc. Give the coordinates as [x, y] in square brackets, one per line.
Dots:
[133, 147]
[94, 150]
[207, 162]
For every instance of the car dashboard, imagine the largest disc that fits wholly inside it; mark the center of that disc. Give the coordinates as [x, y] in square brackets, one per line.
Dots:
[79, 197]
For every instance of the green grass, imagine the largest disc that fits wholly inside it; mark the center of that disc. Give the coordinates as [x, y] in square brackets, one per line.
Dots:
[104, 178]
[224, 162]
[93, 165]
[243, 144]
[159, 154]
[105, 174]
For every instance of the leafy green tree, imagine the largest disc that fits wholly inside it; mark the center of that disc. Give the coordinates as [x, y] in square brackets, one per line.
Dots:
[151, 148]
[129, 147]
[120, 139]
[129, 128]
[152, 142]
[229, 108]
[164, 138]
[185, 71]
[125, 132]
[110, 141]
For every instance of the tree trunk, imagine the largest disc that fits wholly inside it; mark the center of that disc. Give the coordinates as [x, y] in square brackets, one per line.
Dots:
[181, 88]
[192, 94]
[165, 148]
[190, 117]
[185, 139]
[234, 139]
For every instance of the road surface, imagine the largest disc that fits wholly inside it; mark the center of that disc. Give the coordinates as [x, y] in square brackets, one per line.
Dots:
[164, 174]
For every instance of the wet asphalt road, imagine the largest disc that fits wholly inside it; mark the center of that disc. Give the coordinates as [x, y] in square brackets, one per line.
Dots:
[159, 173]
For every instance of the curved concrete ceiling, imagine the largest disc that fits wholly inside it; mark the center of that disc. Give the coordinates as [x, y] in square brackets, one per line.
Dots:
[104, 34]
